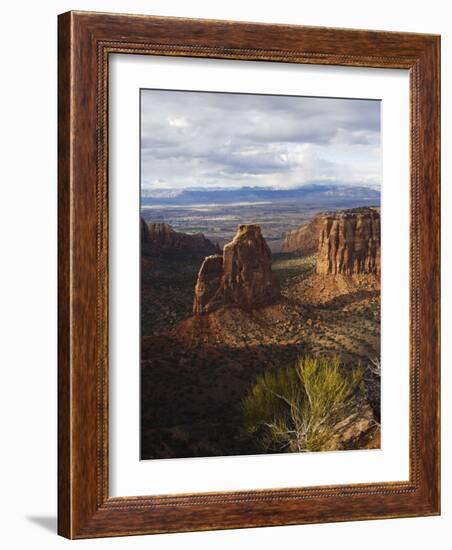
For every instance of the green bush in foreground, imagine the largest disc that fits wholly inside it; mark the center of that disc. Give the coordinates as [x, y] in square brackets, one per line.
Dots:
[296, 409]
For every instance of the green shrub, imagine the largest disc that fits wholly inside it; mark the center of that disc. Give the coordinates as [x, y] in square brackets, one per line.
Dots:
[296, 409]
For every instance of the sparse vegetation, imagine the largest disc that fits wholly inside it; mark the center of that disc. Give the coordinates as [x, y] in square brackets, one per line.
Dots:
[292, 268]
[195, 376]
[296, 409]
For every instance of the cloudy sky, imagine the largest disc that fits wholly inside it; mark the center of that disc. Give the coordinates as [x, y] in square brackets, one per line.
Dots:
[202, 139]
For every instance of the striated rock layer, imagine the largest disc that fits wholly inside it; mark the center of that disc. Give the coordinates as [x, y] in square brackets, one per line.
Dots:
[349, 243]
[162, 236]
[245, 279]
[305, 239]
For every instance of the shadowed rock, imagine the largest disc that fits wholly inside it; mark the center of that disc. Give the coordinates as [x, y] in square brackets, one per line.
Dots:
[144, 231]
[245, 280]
[161, 236]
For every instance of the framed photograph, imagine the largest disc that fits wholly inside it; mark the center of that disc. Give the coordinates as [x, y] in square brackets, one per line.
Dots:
[248, 275]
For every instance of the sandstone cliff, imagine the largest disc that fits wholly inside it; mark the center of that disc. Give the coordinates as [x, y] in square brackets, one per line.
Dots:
[162, 236]
[208, 284]
[244, 279]
[349, 243]
[305, 239]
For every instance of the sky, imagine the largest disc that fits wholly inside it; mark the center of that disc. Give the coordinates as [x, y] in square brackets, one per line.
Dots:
[219, 140]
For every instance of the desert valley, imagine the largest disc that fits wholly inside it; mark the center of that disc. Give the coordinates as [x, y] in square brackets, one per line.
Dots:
[233, 295]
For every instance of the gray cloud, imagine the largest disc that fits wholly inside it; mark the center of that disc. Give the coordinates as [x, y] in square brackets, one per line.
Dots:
[192, 139]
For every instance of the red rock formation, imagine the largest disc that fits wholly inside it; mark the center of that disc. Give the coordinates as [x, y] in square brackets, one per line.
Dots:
[246, 280]
[208, 283]
[357, 431]
[305, 239]
[350, 243]
[163, 236]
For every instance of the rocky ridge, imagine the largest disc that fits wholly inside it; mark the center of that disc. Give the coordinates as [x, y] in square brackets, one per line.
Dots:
[163, 236]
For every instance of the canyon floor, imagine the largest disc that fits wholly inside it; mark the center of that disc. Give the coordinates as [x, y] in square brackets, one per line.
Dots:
[195, 370]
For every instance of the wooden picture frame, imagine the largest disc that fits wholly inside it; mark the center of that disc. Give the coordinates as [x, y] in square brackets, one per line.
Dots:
[86, 40]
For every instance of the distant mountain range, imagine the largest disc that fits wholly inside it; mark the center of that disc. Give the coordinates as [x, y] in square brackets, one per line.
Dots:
[319, 194]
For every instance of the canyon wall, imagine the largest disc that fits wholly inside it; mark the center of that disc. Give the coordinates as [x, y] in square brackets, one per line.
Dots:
[162, 236]
[349, 243]
[305, 239]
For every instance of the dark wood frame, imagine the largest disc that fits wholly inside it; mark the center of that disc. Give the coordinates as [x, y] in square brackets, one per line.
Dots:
[84, 44]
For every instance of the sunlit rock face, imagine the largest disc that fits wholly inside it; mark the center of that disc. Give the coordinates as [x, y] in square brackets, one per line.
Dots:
[208, 284]
[245, 279]
[305, 239]
[349, 243]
